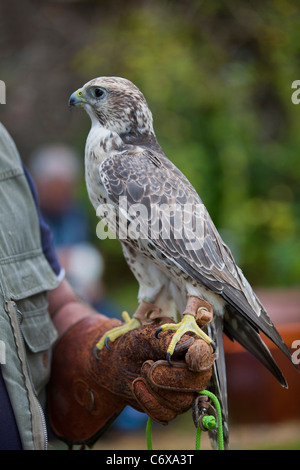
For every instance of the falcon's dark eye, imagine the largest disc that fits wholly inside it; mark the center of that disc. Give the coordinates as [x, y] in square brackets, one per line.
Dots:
[98, 92]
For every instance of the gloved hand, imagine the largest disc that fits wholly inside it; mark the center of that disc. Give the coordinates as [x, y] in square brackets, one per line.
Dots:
[89, 388]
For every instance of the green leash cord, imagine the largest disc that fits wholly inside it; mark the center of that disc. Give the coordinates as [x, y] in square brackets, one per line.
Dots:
[208, 422]
[149, 433]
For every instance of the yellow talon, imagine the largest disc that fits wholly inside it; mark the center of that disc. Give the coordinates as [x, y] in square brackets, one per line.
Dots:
[126, 317]
[114, 333]
[188, 323]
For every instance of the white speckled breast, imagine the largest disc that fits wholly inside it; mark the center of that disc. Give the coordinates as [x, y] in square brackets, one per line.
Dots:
[94, 156]
[100, 144]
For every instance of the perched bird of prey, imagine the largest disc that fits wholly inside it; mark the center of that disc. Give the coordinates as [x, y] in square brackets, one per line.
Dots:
[180, 261]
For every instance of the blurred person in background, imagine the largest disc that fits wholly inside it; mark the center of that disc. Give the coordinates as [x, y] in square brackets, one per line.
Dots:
[56, 172]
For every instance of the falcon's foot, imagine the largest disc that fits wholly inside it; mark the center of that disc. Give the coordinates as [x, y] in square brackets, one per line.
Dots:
[112, 335]
[187, 324]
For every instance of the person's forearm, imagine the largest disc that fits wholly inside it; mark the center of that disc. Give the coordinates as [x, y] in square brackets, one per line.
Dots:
[66, 308]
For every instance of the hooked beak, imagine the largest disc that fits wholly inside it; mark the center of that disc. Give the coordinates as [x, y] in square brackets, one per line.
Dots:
[76, 99]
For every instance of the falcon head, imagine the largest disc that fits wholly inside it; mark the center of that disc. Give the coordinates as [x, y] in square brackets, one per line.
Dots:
[116, 104]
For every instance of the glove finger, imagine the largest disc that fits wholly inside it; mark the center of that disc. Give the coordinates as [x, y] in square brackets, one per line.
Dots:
[178, 401]
[176, 377]
[199, 356]
[149, 402]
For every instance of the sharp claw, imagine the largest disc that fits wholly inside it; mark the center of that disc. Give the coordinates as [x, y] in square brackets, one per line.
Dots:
[158, 331]
[169, 359]
[95, 352]
[106, 342]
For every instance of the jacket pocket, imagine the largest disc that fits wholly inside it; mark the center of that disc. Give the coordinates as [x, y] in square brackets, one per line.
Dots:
[27, 278]
[39, 335]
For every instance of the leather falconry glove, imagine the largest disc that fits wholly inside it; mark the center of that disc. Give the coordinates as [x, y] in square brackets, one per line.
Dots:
[89, 388]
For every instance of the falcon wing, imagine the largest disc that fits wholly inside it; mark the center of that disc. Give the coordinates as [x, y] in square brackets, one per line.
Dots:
[147, 177]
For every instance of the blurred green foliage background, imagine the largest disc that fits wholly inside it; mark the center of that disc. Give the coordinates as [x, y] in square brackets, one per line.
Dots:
[217, 76]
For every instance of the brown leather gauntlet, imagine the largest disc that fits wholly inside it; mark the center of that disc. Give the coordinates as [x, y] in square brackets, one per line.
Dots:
[89, 388]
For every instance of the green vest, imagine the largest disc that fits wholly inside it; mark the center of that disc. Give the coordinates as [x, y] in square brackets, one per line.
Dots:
[26, 330]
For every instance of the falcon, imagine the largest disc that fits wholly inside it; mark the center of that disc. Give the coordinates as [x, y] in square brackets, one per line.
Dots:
[184, 269]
